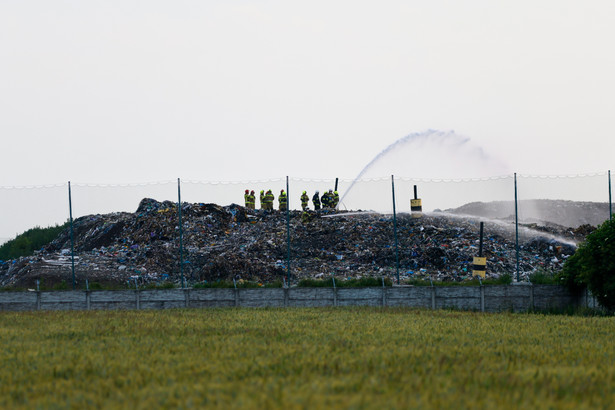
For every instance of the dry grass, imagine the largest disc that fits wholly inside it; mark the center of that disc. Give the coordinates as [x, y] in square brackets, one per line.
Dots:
[305, 358]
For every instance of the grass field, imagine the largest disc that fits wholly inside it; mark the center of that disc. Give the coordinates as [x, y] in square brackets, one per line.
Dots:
[305, 358]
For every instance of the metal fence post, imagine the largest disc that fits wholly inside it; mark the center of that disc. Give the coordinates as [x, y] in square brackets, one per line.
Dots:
[288, 232]
[395, 230]
[181, 245]
[610, 202]
[516, 229]
[72, 238]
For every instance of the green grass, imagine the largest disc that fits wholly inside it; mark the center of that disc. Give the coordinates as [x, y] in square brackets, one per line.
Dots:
[505, 279]
[544, 277]
[305, 358]
[344, 283]
[238, 284]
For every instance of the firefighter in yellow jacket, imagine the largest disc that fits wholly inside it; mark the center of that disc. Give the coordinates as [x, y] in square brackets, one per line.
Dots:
[305, 199]
[283, 201]
[268, 198]
[251, 202]
[246, 198]
[336, 199]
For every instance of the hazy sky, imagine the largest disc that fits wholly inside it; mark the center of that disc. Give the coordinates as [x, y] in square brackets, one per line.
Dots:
[130, 91]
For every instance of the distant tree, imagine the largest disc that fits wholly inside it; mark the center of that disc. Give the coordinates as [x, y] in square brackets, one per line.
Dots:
[30, 241]
[593, 265]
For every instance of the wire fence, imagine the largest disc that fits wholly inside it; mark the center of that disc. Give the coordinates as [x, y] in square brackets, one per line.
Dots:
[26, 207]
[568, 200]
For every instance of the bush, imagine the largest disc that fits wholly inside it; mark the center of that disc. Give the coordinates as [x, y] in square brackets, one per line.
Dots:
[543, 277]
[593, 265]
[159, 285]
[240, 284]
[61, 286]
[505, 279]
[95, 286]
[29, 241]
[350, 283]
[315, 283]
[417, 282]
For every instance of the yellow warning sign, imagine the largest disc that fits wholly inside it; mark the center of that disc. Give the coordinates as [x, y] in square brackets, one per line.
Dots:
[480, 266]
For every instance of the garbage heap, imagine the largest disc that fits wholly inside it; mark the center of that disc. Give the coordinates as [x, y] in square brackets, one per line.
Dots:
[233, 242]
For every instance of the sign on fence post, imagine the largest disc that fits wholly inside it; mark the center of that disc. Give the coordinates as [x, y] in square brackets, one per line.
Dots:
[479, 263]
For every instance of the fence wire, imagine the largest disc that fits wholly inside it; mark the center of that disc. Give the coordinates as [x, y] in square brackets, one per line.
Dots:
[568, 201]
[26, 207]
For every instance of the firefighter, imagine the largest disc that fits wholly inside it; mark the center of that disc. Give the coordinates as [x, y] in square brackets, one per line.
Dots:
[306, 216]
[336, 199]
[282, 201]
[251, 204]
[316, 201]
[269, 200]
[305, 199]
[246, 197]
[326, 200]
[262, 199]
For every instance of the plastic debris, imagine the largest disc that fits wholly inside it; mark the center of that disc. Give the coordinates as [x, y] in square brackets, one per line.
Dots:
[223, 243]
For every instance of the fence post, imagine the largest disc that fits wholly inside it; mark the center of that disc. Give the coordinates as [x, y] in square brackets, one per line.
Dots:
[181, 250]
[482, 298]
[610, 203]
[288, 231]
[286, 296]
[395, 229]
[433, 297]
[334, 292]
[72, 240]
[531, 296]
[187, 297]
[516, 229]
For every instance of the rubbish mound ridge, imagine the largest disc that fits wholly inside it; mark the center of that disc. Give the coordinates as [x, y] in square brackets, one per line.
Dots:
[233, 242]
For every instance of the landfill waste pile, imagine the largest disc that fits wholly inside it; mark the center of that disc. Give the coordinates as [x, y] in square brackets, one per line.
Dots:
[233, 242]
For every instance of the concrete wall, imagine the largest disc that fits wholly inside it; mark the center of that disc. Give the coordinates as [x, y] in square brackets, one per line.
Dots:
[491, 298]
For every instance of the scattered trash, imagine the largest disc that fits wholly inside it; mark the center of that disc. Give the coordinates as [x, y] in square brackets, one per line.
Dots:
[223, 243]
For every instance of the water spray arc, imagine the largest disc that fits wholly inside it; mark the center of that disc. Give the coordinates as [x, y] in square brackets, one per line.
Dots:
[431, 154]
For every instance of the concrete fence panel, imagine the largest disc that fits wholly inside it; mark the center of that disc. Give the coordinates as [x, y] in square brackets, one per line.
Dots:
[63, 300]
[200, 298]
[359, 296]
[263, 297]
[411, 296]
[113, 299]
[490, 298]
[516, 298]
[458, 297]
[553, 297]
[17, 301]
[311, 297]
[162, 299]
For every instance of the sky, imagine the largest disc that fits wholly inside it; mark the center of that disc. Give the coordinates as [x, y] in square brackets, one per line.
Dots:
[128, 91]
[134, 91]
